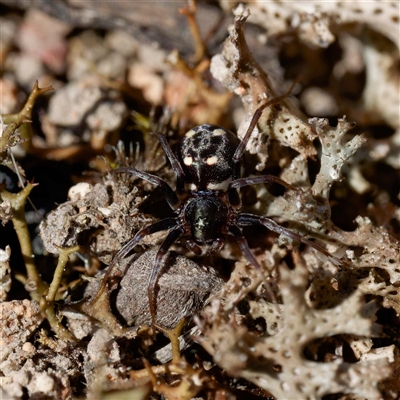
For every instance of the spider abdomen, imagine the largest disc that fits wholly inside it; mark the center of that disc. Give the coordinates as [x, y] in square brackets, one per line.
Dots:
[206, 217]
[206, 153]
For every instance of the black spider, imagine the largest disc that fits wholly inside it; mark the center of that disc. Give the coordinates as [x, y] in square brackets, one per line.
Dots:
[206, 201]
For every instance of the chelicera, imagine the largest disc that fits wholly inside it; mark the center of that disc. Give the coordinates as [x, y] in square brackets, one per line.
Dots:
[206, 202]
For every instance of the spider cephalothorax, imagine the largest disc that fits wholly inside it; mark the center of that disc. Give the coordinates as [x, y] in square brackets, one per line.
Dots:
[206, 201]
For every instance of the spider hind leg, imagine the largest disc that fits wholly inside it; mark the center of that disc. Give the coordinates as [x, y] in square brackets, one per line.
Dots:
[236, 232]
[162, 225]
[171, 238]
[250, 219]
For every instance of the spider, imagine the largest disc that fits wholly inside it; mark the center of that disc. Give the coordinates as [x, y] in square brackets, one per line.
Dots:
[206, 202]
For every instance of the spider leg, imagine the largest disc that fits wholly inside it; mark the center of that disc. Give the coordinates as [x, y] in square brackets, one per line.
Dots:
[237, 233]
[175, 164]
[249, 219]
[244, 246]
[170, 195]
[172, 237]
[214, 248]
[256, 116]
[217, 245]
[162, 225]
[193, 246]
[254, 180]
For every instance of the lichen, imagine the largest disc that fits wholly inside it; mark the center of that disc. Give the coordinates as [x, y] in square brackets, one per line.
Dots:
[5, 273]
[110, 209]
[277, 363]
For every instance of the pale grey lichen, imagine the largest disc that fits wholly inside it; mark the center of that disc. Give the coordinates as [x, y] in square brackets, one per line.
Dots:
[5, 273]
[111, 209]
[5, 211]
[277, 363]
[380, 249]
[335, 152]
[319, 23]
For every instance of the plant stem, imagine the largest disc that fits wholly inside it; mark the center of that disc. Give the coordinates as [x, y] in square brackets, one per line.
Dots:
[34, 284]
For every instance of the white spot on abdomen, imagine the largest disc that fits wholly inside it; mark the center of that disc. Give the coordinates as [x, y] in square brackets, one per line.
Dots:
[212, 160]
[190, 133]
[188, 161]
[219, 185]
[218, 132]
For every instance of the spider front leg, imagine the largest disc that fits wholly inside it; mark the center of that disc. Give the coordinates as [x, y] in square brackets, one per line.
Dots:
[169, 194]
[250, 219]
[256, 116]
[175, 164]
[255, 180]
